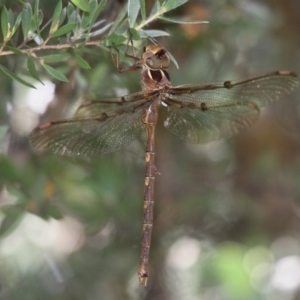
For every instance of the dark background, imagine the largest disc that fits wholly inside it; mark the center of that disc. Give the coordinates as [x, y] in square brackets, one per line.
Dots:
[227, 215]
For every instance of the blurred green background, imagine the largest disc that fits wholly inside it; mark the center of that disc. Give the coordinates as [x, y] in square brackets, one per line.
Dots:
[227, 215]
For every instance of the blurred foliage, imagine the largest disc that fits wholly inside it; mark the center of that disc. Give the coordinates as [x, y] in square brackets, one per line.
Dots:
[71, 228]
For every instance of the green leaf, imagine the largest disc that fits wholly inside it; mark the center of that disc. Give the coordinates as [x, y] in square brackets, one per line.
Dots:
[119, 19]
[15, 50]
[71, 13]
[153, 33]
[8, 170]
[62, 16]
[172, 4]
[32, 70]
[26, 19]
[36, 21]
[54, 212]
[82, 4]
[4, 23]
[17, 23]
[40, 17]
[133, 34]
[93, 5]
[55, 18]
[37, 18]
[81, 62]
[100, 30]
[115, 39]
[143, 9]
[34, 25]
[54, 73]
[178, 21]
[11, 18]
[85, 20]
[14, 214]
[64, 29]
[133, 11]
[15, 77]
[155, 8]
[97, 11]
[55, 57]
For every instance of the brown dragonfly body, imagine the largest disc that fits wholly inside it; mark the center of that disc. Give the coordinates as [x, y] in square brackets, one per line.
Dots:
[198, 113]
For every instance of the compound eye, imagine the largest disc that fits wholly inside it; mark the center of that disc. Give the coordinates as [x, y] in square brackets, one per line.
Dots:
[165, 62]
[153, 62]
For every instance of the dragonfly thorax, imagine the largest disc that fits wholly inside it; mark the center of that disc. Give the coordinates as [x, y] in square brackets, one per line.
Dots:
[154, 80]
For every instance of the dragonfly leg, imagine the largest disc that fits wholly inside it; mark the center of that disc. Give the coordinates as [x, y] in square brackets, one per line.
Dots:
[116, 60]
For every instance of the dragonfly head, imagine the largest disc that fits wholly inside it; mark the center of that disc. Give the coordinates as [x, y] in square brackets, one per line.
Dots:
[155, 57]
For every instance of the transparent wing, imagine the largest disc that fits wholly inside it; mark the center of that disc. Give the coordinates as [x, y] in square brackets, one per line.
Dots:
[198, 126]
[201, 113]
[260, 90]
[107, 132]
[94, 108]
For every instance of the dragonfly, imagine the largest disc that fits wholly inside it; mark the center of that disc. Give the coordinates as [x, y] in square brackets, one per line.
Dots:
[197, 113]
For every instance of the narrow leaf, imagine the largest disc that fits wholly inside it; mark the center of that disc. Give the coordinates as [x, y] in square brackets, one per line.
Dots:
[153, 33]
[11, 18]
[13, 49]
[32, 70]
[55, 213]
[55, 57]
[26, 19]
[55, 18]
[133, 34]
[81, 62]
[95, 15]
[62, 16]
[86, 18]
[15, 77]
[4, 22]
[155, 8]
[93, 5]
[11, 221]
[172, 4]
[54, 73]
[82, 4]
[33, 26]
[8, 171]
[178, 21]
[34, 20]
[17, 23]
[40, 17]
[143, 9]
[98, 10]
[71, 13]
[64, 29]
[115, 39]
[37, 19]
[100, 30]
[133, 10]
[118, 20]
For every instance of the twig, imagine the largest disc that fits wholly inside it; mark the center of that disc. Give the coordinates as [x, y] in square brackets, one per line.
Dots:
[48, 47]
